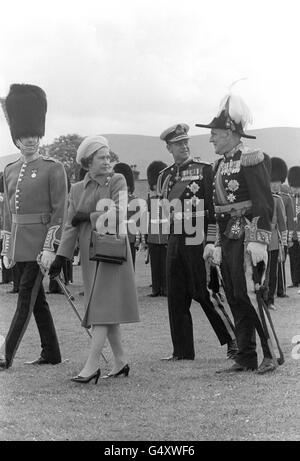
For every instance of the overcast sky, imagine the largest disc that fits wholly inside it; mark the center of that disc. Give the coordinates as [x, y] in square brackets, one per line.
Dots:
[138, 66]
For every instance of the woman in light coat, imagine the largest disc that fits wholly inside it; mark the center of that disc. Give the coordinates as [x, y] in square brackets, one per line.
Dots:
[109, 289]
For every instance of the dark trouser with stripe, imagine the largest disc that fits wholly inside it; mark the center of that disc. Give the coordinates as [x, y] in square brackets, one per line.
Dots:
[294, 253]
[245, 316]
[281, 279]
[49, 343]
[273, 268]
[186, 280]
[158, 256]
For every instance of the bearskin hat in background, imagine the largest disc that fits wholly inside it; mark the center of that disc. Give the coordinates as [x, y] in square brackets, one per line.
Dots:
[26, 107]
[153, 171]
[294, 176]
[279, 170]
[126, 171]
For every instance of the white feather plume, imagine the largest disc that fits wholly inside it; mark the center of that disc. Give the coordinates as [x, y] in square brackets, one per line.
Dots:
[238, 110]
[2, 103]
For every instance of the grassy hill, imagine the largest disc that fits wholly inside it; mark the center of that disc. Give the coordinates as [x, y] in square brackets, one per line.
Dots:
[141, 150]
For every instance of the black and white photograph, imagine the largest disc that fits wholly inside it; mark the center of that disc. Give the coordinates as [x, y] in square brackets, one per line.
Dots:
[149, 223]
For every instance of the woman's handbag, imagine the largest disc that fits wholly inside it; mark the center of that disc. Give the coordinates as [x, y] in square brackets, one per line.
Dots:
[109, 248]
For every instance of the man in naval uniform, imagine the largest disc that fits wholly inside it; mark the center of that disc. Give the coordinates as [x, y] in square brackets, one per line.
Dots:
[244, 209]
[188, 185]
[35, 190]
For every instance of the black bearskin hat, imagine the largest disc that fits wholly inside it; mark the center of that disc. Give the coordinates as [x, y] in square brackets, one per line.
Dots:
[153, 171]
[126, 171]
[26, 107]
[279, 169]
[294, 176]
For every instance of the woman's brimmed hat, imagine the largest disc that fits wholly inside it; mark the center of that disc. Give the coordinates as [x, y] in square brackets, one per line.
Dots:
[89, 146]
[233, 115]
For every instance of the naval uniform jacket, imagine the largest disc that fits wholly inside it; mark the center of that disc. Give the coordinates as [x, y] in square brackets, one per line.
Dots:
[34, 208]
[190, 183]
[242, 196]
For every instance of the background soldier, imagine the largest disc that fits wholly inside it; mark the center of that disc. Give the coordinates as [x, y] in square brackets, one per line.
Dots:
[156, 239]
[244, 209]
[190, 182]
[134, 239]
[35, 190]
[294, 250]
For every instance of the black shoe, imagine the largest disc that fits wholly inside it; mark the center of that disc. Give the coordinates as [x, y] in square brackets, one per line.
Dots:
[282, 295]
[236, 368]
[266, 366]
[42, 361]
[154, 295]
[232, 349]
[294, 285]
[124, 371]
[13, 290]
[85, 380]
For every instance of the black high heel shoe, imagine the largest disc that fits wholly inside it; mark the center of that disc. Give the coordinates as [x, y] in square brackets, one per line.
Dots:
[124, 371]
[87, 379]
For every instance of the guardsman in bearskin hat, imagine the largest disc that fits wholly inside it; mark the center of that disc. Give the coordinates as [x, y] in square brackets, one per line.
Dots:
[35, 202]
[156, 238]
[186, 188]
[279, 172]
[134, 238]
[278, 243]
[294, 250]
[244, 209]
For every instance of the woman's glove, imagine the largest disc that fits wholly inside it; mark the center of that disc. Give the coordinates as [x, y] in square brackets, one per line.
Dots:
[258, 252]
[80, 217]
[56, 266]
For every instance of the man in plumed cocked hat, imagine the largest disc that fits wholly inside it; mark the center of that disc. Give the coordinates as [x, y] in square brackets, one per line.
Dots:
[244, 208]
[35, 203]
[157, 237]
[279, 171]
[294, 250]
[186, 188]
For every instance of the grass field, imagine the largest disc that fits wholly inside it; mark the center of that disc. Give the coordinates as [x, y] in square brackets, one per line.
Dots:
[183, 400]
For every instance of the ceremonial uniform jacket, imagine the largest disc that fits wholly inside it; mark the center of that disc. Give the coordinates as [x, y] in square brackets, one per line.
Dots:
[35, 204]
[278, 226]
[242, 196]
[289, 211]
[296, 207]
[190, 183]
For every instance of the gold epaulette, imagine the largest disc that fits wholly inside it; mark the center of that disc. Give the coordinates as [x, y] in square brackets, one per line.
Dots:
[200, 161]
[251, 157]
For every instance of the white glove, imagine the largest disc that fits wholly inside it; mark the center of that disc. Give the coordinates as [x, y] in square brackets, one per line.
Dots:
[217, 256]
[258, 252]
[208, 251]
[8, 263]
[47, 258]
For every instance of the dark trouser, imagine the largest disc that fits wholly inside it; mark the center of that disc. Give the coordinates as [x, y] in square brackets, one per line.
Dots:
[186, 280]
[281, 279]
[158, 256]
[273, 268]
[42, 315]
[245, 317]
[294, 253]
[133, 252]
